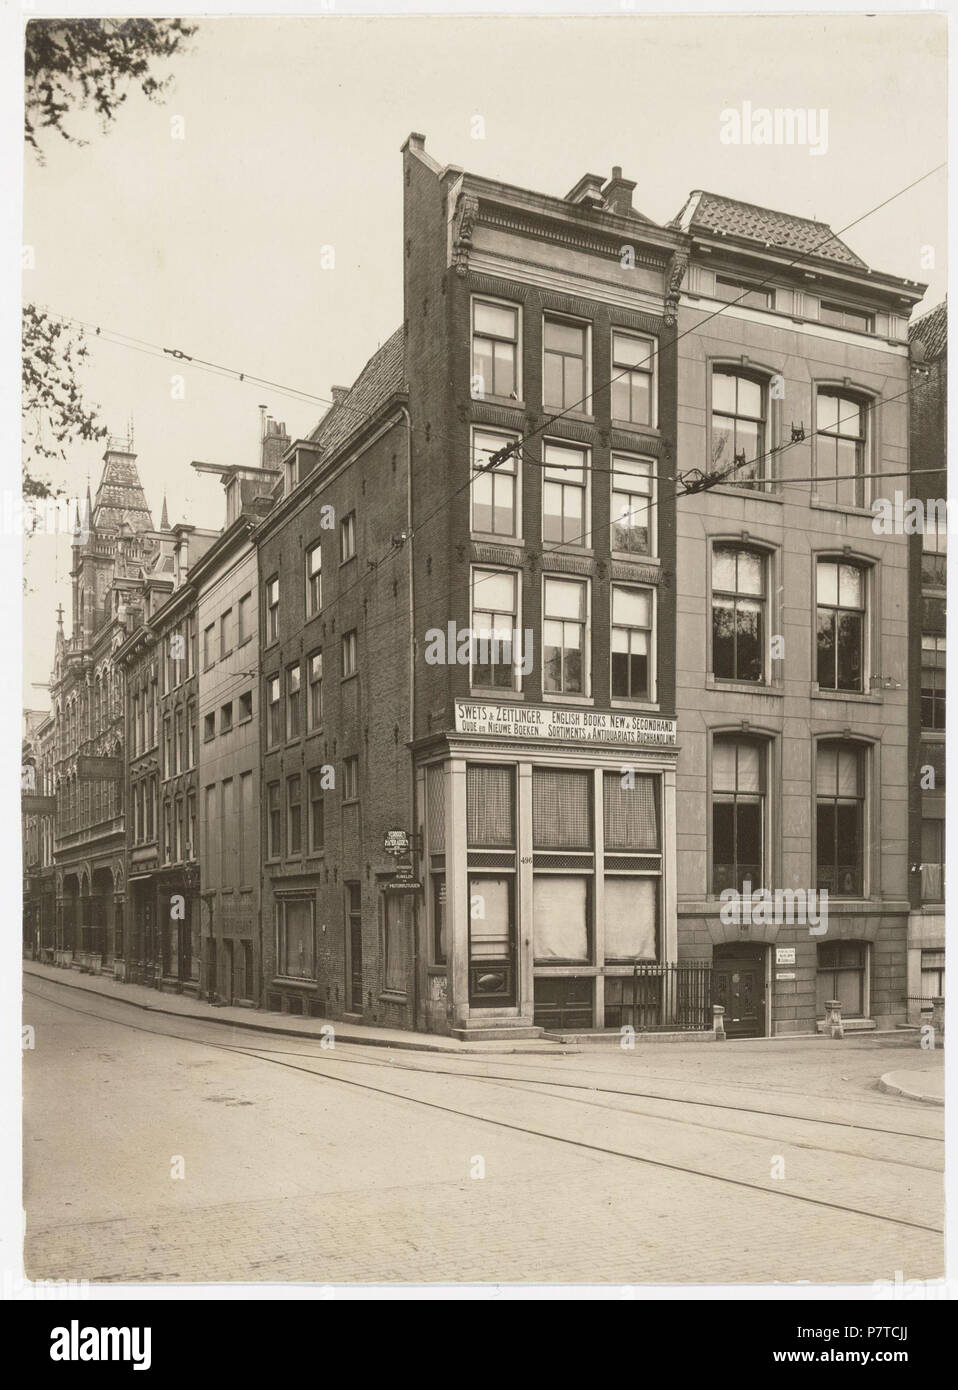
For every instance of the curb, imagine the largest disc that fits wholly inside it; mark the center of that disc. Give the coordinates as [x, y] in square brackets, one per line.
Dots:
[364, 1041]
[893, 1089]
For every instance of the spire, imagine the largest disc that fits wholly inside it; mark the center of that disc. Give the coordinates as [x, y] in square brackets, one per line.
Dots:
[120, 497]
[164, 519]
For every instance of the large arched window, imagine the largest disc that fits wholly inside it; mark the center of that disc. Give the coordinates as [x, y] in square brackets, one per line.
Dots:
[841, 442]
[842, 628]
[739, 779]
[739, 425]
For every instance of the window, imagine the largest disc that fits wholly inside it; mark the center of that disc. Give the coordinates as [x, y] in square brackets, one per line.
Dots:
[633, 379]
[631, 903]
[840, 449]
[561, 820]
[226, 717]
[349, 653]
[564, 494]
[841, 316]
[271, 594]
[738, 425]
[633, 502]
[209, 726]
[932, 978]
[179, 742]
[316, 817]
[273, 823]
[168, 747]
[561, 809]
[738, 814]
[351, 779]
[932, 861]
[226, 632]
[490, 807]
[841, 625]
[243, 629]
[741, 292]
[294, 815]
[191, 718]
[494, 620]
[495, 491]
[314, 579]
[439, 918]
[840, 819]
[738, 613]
[191, 826]
[316, 690]
[245, 706]
[932, 681]
[209, 638]
[495, 349]
[295, 947]
[564, 370]
[632, 643]
[273, 726]
[934, 541]
[347, 538]
[565, 637]
[294, 721]
[841, 976]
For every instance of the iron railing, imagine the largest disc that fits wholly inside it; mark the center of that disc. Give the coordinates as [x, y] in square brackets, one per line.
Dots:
[668, 996]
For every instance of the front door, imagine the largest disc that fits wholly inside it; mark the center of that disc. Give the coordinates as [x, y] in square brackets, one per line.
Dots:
[738, 984]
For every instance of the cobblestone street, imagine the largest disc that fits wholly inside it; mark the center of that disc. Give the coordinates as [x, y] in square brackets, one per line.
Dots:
[744, 1162]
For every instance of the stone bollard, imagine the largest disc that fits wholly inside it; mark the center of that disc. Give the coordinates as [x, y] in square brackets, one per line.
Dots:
[833, 1018]
[718, 1022]
[938, 1020]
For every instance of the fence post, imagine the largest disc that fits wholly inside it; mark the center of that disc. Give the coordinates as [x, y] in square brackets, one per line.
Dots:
[938, 1020]
[833, 1018]
[718, 1022]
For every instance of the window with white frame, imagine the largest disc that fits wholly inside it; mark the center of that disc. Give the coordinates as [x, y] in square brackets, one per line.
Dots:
[273, 706]
[294, 719]
[565, 368]
[633, 647]
[841, 612]
[271, 596]
[494, 621]
[633, 505]
[315, 711]
[840, 448]
[739, 425]
[314, 579]
[495, 491]
[350, 653]
[495, 349]
[633, 379]
[347, 538]
[565, 494]
[565, 636]
[840, 818]
[295, 938]
[738, 612]
[738, 813]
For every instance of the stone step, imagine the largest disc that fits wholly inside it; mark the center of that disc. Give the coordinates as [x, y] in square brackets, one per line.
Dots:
[500, 1031]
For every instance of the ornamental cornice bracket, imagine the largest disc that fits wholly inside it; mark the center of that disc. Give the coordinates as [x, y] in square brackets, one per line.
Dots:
[467, 211]
[675, 274]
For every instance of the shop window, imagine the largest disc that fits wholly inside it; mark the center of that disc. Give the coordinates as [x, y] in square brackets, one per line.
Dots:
[491, 941]
[295, 948]
[490, 807]
[560, 914]
[631, 918]
[841, 976]
[631, 812]
[561, 809]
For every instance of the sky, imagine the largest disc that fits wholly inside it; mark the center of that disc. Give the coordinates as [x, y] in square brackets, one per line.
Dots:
[292, 128]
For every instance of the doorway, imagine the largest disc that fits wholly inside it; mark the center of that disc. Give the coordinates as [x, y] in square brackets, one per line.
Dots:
[738, 984]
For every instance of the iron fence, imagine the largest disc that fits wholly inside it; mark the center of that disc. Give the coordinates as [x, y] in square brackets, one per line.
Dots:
[668, 996]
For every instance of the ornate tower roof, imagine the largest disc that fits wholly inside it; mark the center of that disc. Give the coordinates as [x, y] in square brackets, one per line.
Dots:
[120, 497]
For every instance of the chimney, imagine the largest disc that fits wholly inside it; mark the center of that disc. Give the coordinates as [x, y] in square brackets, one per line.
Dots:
[618, 194]
[275, 443]
[339, 394]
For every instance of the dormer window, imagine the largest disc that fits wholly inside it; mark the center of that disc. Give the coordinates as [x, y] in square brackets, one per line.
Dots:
[842, 316]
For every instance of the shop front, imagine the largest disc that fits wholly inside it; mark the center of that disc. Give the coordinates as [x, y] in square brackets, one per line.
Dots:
[548, 855]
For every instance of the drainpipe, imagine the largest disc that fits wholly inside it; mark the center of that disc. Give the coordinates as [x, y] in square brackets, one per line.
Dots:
[413, 823]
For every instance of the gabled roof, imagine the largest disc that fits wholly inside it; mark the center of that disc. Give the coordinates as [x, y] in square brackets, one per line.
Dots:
[931, 330]
[383, 375]
[716, 215]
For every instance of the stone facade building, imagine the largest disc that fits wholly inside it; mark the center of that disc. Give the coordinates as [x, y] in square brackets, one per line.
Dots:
[793, 775]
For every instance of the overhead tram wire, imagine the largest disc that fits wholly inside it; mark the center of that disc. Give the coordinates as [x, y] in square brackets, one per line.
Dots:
[500, 455]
